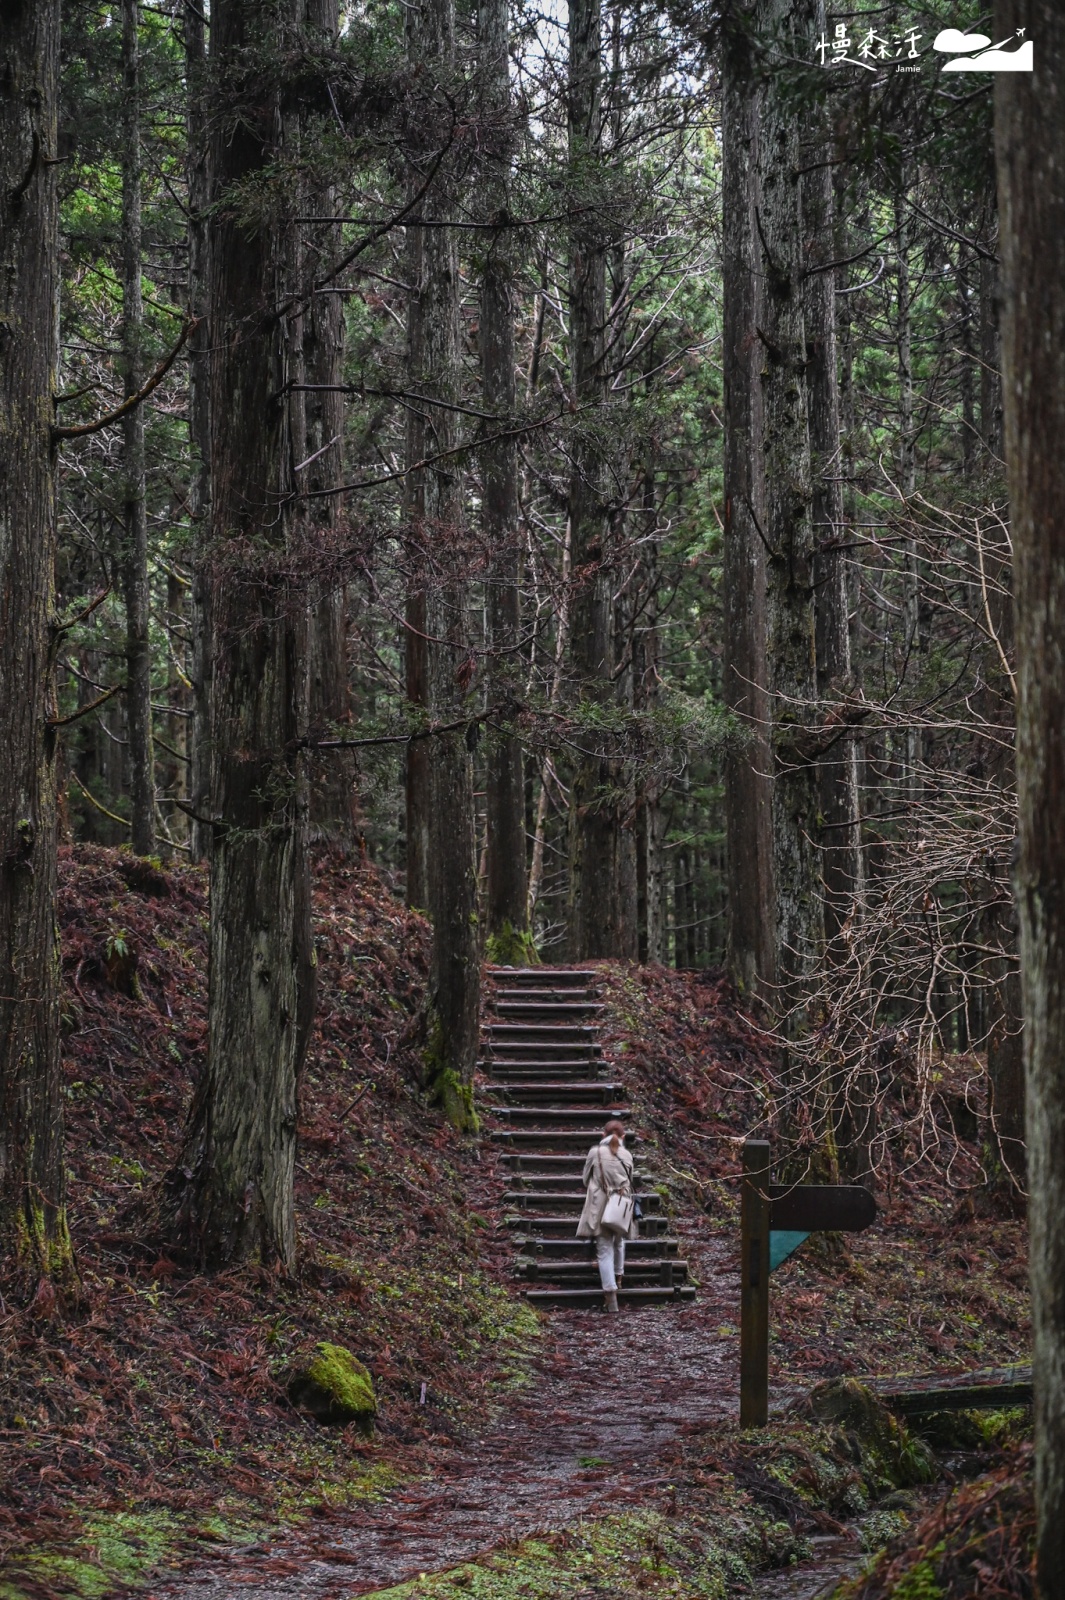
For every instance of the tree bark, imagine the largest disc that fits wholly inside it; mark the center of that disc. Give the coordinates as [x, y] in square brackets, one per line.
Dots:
[841, 859]
[747, 762]
[990, 361]
[455, 966]
[135, 580]
[914, 620]
[509, 936]
[1029, 138]
[33, 1229]
[789, 531]
[597, 921]
[198, 180]
[234, 1181]
[332, 773]
[415, 644]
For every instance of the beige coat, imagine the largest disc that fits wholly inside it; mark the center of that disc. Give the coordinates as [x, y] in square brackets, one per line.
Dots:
[616, 1171]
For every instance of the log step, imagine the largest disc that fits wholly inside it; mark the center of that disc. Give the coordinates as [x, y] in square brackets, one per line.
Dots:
[583, 1250]
[548, 1139]
[541, 1033]
[552, 977]
[583, 1274]
[539, 1071]
[527, 994]
[987, 1390]
[539, 1052]
[549, 1117]
[565, 1227]
[537, 1011]
[563, 1092]
[573, 1199]
[592, 1299]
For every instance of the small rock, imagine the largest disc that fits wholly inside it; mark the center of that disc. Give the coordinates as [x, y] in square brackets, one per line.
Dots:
[335, 1387]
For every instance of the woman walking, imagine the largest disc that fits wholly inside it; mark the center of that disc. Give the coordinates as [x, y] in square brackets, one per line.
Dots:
[609, 1215]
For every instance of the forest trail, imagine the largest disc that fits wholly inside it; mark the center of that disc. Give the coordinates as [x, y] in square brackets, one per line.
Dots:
[593, 1431]
[609, 1398]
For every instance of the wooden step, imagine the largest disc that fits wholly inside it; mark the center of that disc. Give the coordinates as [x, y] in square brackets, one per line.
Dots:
[592, 1299]
[565, 1227]
[541, 1071]
[550, 1117]
[562, 1249]
[545, 1011]
[573, 1199]
[533, 1161]
[541, 1052]
[580, 1274]
[530, 995]
[560, 1093]
[544, 1182]
[548, 1032]
[549, 1139]
[557, 977]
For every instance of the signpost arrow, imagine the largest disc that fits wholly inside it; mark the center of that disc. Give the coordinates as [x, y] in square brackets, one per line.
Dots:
[811, 1207]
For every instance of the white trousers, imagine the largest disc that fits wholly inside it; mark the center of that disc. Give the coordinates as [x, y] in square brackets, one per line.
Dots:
[610, 1254]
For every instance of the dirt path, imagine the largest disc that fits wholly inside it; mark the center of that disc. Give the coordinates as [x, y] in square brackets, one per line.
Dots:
[593, 1430]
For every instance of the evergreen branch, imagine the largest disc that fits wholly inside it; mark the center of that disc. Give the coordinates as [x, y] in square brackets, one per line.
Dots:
[80, 430]
[83, 711]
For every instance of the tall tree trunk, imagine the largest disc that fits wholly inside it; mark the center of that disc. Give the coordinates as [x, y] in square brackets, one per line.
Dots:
[1029, 138]
[234, 1181]
[509, 937]
[33, 1227]
[841, 861]
[747, 790]
[963, 293]
[135, 580]
[595, 911]
[198, 180]
[990, 360]
[914, 617]
[455, 967]
[176, 766]
[645, 679]
[789, 531]
[415, 644]
[332, 773]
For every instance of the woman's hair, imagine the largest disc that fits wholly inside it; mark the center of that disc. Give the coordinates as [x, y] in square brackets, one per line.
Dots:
[615, 1130]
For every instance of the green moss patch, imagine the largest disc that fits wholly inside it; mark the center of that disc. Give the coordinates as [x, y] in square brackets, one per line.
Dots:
[336, 1388]
[635, 1554]
[512, 947]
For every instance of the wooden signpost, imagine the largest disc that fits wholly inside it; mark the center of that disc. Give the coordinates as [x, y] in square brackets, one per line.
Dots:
[774, 1221]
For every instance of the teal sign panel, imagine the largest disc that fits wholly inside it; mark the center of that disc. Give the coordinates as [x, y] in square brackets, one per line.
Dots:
[782, 1244]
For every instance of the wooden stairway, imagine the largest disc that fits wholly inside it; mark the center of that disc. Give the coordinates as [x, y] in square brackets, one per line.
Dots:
[547, 1100]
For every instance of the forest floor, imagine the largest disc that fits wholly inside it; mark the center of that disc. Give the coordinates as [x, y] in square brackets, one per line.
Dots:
[146, 1436]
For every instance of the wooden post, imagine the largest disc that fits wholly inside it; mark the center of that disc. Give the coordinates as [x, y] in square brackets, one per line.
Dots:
[754, 1285]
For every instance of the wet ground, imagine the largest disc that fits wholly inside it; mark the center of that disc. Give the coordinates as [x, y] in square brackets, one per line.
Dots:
[833, 1558]
[592, 1432]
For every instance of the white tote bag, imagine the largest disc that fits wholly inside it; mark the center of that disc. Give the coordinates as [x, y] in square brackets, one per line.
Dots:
[617, 1213]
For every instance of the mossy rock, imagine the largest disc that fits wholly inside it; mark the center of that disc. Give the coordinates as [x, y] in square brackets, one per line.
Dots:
[886, 1449]
[335, 1388]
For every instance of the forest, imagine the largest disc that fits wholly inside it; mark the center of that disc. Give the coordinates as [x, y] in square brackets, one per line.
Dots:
[543, 519]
